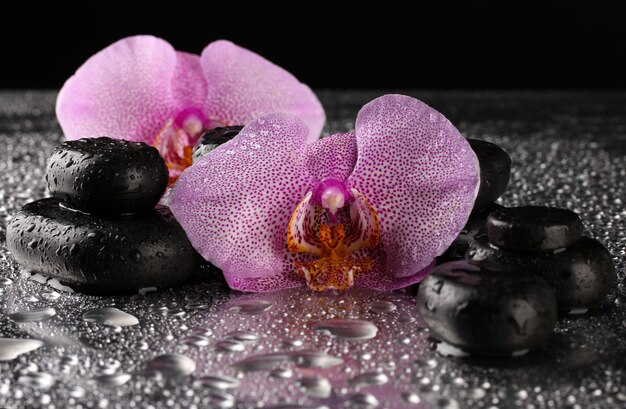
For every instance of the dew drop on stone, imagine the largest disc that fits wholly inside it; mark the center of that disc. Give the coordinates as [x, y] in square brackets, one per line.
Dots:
[316, 387]
[230, 345]
[196, 340]
[5, 281]
[171, 366]
[382, 306]
[39, 380]
[11, 348]
[77, 392]
[220, 382]
[362, 400]
[244, 336]
[221, 400]
[110, 316]
[36, 315]
[115, 379]
[281, 373]
[50, 295]
[348, 329]
[369, 379]
[445, 403]
[251, 307]
[410, 398]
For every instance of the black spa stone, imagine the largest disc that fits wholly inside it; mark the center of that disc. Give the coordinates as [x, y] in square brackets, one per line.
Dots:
[212, 139]
[495, 170]
[581, 275]
[107, 176]
[109, 255]
[533, 228]
[487, 312]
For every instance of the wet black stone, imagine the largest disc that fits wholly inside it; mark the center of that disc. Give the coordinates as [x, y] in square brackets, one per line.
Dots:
[533, 228]
[476, 226]
[107, 176]
[212, 139]
[495, 171]
[487, 312]
[581, 275]
[114, 254]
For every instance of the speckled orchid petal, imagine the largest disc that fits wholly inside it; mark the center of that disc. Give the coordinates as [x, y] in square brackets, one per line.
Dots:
[332, 157]
[235, 204]
[243, 85]
[420, 175]
[129, 90]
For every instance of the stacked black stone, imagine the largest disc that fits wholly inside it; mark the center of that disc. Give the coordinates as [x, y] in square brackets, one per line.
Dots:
[102, 230]
[495, 171]
[548, 242]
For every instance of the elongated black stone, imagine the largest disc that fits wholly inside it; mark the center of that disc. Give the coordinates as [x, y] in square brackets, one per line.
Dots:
[115, 254]
[495, 171]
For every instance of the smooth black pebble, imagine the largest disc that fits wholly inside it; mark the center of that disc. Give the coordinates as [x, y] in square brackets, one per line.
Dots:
[495, 171]
[581, 275]
[475, 227]
[487, 312]
[533, 228]
[107, 176]
[212, 139]
[112, 255]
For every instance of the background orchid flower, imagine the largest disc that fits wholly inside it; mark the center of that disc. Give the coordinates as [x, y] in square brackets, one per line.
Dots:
[370, 208]
[141, 89]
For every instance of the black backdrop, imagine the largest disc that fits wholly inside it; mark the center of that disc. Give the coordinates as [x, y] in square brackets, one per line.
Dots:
[393, 44]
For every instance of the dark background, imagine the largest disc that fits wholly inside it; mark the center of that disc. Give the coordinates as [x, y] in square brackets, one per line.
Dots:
[404, 44]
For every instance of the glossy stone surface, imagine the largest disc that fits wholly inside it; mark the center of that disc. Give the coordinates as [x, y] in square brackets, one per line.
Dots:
[495, 171]
[106, 176]
[582, 365]
[581, 275]
[116, 254]
[487, 312]
[534, 228]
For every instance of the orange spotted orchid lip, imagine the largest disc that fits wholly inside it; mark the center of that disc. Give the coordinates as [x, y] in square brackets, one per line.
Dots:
[141, 89]
[369, 208]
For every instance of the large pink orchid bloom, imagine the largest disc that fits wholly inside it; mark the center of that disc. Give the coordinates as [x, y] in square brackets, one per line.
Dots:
[141, 89]
[371, 208]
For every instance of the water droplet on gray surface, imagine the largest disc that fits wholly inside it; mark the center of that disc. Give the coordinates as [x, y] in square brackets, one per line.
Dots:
[369, 379]
[221, 382]
[316, 386]
[302, 359]
[171, 366]
[445, 403]
[50, 295]
[115, 379]
[110, 316]
[362, 400]
[76, 392]
[230, 345]
[382, 306]
[244, 336]
[196, 340]
[281, 373]
[5, 281]
[35, 315]
[348, 329]
[11, 348]
[221, 399]
[411, 398]
[251, 307]
[39, 380]
[292, 343]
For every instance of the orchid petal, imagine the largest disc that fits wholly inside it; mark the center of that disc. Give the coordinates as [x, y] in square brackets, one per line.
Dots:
[243, 85]
[420, 175]
[332, 157]
[235, 204]
[128, 90]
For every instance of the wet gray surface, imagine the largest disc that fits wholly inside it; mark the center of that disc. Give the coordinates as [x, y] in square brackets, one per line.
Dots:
[201, 345]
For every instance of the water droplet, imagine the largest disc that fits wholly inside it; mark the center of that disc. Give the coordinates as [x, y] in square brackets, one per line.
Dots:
[116, 379]
[50, 295]
[446, 403]
[369, 379]
[251, 307]
[302, 359]
[110, 316]
[244, 336]
[282, 373]
[77, 392]
[316, 387]
[36, 315]
[292, 343]
[382, 306]
[362, 400]
[411, 398]
[134, 255]
[221, 382]
[171, 366]
[40, 380]
[11, 348]
[196, 340]
[230, 345]
[221, 399]
[5, 282]
[348, 329]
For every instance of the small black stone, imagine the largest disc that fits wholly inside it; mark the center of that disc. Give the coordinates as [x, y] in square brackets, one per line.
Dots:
[581, 275]
[487, 312]
[107, 176]
[533, 228]
[495, 171]
[212, 139]
[112, 255]
[476, 226]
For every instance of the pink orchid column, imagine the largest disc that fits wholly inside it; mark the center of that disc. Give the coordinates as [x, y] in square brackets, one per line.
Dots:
[141, 89]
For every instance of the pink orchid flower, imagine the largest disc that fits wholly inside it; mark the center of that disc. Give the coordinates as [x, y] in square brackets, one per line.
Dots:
[141, 89]
[371, 208]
